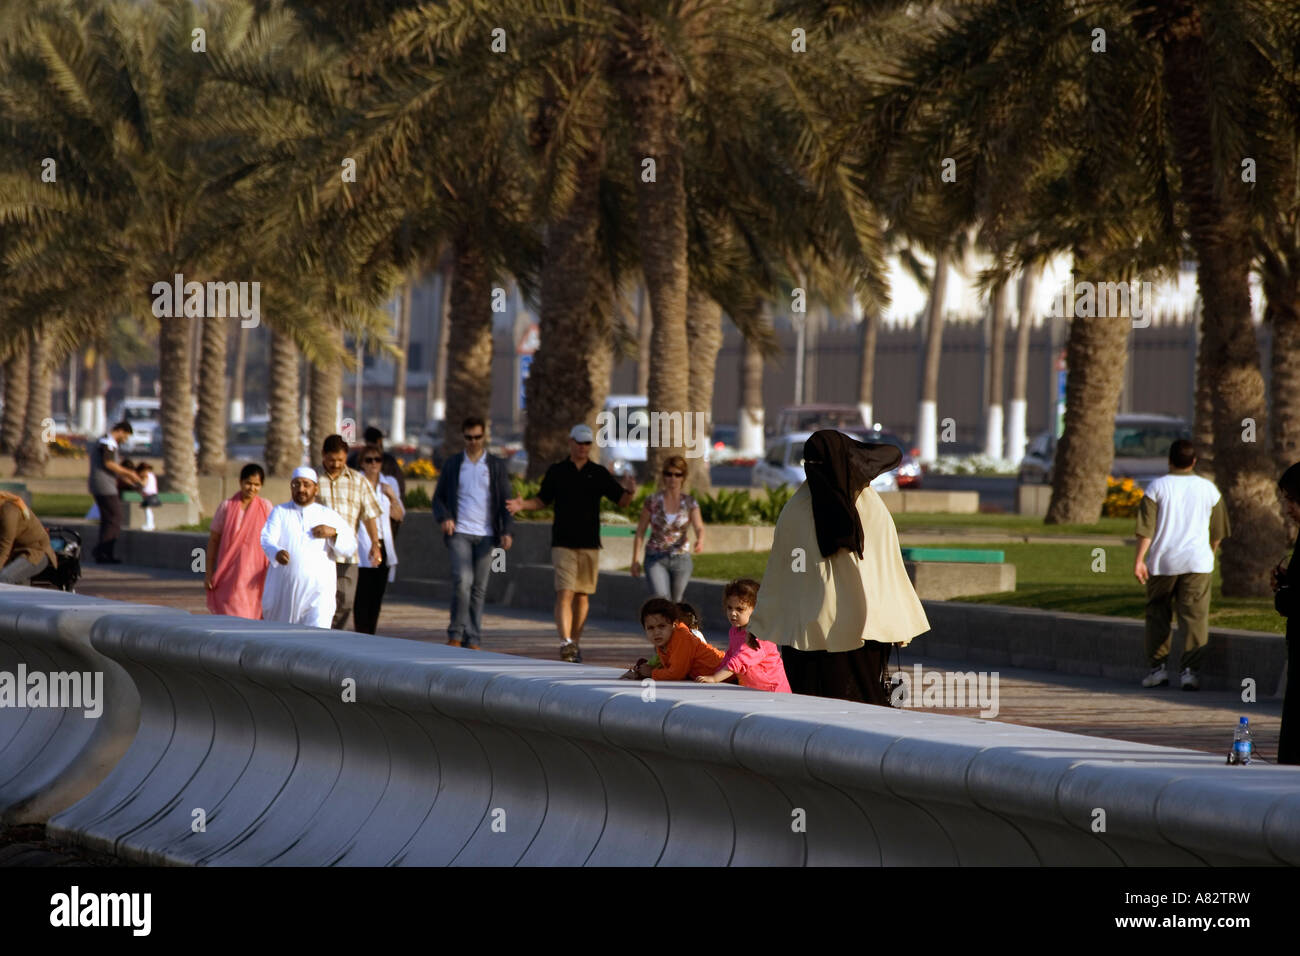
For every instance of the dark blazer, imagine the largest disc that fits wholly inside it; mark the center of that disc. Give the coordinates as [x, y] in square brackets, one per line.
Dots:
[446, 495]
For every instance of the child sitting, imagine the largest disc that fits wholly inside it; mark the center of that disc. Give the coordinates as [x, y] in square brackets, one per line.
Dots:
[757, 663]
[687, 614]
[681, 656]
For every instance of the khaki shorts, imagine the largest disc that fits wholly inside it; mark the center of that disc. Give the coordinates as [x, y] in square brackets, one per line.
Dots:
[575, 569]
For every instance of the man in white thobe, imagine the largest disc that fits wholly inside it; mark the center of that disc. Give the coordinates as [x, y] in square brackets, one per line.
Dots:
[303, 539]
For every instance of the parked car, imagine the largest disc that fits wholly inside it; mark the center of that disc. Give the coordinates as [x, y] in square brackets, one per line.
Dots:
[628, 457]
[429, 444]
[811, 418]
[145, 416]
[246, 441]
[783, 464]
[909, 469]
[1141, 449]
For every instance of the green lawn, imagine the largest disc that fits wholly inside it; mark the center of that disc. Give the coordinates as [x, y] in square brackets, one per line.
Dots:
[61, 506]
[1058, 577]
[1010, 524]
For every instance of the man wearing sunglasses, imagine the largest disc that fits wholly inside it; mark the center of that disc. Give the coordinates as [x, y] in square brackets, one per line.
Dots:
[469, 503]
[576, 486]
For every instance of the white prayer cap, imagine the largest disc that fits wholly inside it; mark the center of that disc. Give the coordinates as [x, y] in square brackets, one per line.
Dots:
[305, 472]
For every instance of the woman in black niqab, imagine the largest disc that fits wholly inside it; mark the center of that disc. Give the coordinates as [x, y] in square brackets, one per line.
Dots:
[837, 468]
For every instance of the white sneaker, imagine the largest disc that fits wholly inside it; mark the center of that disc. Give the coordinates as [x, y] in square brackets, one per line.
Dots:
[1157, 678]
[1189, 679]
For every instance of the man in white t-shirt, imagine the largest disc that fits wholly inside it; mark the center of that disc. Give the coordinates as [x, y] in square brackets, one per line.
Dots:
[1180, 523]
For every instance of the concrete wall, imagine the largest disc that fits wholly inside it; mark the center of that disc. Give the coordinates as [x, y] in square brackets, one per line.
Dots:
[298, 746]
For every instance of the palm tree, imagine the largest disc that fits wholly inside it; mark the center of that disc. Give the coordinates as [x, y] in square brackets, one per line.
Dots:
[993, 432]
[1019, 407]
[927, 420]
[33, 450]
[16, 370]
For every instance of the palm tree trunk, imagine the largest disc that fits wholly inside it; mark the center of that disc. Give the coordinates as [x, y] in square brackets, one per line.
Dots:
[653, 90]
[469, 379]
[33, 449]
[1095, 355]
[574, 321]
[1017, 439]
[750, 434]
[1282, 289]
[237, 375]
[397, 430]
[927, 413]
[997, 363]
[177, 408]
[644, 331]
[704, 339]
[326, 387]
[283, 438]
[870, 331]
[212, 397]
[15, 410]
[1218, 223]
[439, 410]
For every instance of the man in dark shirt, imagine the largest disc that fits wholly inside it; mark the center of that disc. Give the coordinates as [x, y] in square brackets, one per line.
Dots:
[576, 486]
[104, 475]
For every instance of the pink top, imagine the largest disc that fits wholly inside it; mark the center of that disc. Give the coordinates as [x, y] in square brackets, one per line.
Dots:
[757, 667]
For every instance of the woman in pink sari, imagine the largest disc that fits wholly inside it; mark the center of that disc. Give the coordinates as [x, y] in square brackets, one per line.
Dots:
[236, 562]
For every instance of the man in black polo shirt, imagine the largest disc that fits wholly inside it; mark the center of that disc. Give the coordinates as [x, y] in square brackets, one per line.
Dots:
[576, 486]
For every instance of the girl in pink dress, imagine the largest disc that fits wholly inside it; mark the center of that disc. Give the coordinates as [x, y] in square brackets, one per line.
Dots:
[755, 663]
[236, 563]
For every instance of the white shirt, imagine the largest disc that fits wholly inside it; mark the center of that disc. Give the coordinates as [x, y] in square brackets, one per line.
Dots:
[302, 591]
[1181, 544]
[472, 516]
[385, 530]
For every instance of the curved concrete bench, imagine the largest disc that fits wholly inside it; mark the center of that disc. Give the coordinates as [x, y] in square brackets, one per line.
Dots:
[51, 756]
[449, 756]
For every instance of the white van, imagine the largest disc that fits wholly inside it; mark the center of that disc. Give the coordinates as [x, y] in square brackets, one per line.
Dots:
[145, 417]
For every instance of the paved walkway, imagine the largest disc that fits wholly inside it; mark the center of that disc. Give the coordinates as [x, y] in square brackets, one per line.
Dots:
[1204, 720]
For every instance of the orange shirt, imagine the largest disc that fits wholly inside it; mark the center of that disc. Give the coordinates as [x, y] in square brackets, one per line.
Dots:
[686, 657]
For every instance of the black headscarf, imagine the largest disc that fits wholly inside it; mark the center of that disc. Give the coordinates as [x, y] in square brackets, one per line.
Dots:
[838, 468]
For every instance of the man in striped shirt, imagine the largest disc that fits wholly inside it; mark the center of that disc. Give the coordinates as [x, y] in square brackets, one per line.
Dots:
[346, 491]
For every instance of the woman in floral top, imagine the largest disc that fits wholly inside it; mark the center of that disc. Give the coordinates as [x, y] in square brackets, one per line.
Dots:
[668, 513]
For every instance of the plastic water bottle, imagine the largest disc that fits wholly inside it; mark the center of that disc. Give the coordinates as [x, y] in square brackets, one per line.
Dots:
[1242, 746]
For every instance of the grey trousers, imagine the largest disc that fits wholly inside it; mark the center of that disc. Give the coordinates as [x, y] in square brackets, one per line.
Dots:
[345, 593]
[21, 571]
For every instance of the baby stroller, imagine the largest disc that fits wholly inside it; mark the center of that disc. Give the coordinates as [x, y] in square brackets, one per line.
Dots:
[66, 545]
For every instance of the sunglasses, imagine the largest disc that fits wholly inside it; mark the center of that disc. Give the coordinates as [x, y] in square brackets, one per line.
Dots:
[674, 474]
[582, 442]
[477, 437]
[369, 461]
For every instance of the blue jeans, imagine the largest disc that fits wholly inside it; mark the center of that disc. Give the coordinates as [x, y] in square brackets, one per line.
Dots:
[667, 574]
[471, 562]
